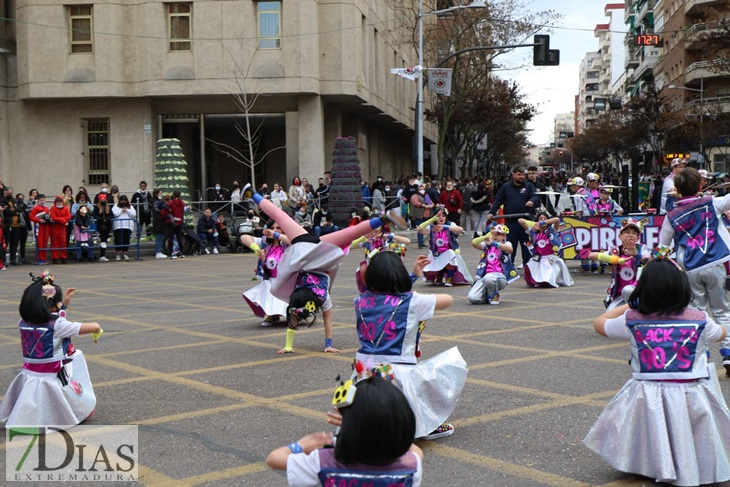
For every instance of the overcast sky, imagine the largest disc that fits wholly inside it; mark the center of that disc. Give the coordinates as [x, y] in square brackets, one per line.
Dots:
[553, 88]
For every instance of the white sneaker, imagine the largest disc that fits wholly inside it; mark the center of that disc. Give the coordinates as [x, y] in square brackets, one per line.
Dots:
[173, 256]
[119, 258]
[520, 267]
[103, 259]
[207, 252]
[215, 250]
[160, 255]
[125, 257]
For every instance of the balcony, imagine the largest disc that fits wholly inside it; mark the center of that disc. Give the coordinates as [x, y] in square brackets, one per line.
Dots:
[706, 69]
[631, 57]
[628, 14]
[649, 59]
[645, 7]
[696, 7]
[694, 35]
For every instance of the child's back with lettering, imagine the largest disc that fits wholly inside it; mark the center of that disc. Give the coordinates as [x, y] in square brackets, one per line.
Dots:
[390, 319]
[670, 421]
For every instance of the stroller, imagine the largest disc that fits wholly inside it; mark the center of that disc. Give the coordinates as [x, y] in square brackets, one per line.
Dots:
[239, 226]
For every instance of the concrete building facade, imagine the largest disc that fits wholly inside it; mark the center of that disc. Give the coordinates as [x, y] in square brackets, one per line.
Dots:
[90, 86]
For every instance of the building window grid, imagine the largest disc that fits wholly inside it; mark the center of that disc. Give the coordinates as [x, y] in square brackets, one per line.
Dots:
[97, 150]
[81, 19]
[180, 21]
[269, 19]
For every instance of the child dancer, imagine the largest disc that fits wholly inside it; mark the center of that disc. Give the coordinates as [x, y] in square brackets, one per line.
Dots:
[309, 266]
[702, 244]
[669, 422]
[47, 392]
[373, 243]
[374, 444]
[390, 319]
[444, 256]
[270, 249]
[495, 269]
[626, 261]
[605, 205]
[545, 268]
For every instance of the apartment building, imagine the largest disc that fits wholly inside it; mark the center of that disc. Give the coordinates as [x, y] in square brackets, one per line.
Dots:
[694, 78]
[640, 59]
[88, 88]
[600, 70]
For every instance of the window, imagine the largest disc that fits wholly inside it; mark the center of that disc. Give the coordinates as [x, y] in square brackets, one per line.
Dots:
[97, 150]
[180, 23]
[82, 22]
[269, 25]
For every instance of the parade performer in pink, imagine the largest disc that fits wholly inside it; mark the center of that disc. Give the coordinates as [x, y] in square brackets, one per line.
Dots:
[626, 262]
[545, 268]
[54, 388]
[495, 270]
[308, 268]
[390, 320]
[669, 422]
[446, 261]
[270, 248]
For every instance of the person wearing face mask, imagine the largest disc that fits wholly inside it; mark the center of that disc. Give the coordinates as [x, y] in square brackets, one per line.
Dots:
[450, 198]
[255, 222]
[142, 203]
[420, 211]
[103, 191]
[303, 219]
[322, 222]
[11, 223]
[207, 230]
[296, 195]
[365, 190]
[323, 193]
[378, 197]
[103, 216]
[218, 197]
[40, 217]
[60, 216]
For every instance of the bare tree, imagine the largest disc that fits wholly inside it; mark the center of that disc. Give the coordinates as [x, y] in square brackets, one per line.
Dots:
[245, 101]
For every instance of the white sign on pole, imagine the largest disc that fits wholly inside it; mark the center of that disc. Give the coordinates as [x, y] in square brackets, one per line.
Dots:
[483, 144]
[439, 81]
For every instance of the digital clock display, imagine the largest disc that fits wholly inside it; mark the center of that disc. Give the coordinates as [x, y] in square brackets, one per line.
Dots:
[647, 40]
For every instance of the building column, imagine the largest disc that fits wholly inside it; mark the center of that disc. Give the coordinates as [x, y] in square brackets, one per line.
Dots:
[311, 138]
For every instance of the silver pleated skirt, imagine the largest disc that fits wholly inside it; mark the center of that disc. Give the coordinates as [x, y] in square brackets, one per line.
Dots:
[678, 433]
[438, 264]
[36, 399]
[432, 387]
[262, 302]
[548, 270]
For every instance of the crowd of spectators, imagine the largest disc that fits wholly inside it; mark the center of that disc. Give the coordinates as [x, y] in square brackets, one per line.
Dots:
[77, 215]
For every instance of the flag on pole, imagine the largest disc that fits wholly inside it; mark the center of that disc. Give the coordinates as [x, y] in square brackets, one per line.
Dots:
[439, 81]
[407, 73]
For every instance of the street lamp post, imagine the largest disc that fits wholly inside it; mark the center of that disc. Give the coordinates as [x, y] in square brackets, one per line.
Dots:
[701, 91]
[419, 99]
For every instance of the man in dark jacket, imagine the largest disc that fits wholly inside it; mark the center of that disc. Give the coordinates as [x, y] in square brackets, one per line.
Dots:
[517, 196]
[207, 230]
[322, 222]
[540, 185]
[142, 202]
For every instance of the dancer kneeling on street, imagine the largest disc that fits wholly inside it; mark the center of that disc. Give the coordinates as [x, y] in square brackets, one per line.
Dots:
[669, 422]
[309, 266]
[626, 262]
[390, 320]
[545, 268]
[270, 248]
[445, 257]
[54, 388]
[374, 444]
[495, 269]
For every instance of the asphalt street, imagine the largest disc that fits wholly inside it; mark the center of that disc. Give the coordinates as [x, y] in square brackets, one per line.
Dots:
[184, 358]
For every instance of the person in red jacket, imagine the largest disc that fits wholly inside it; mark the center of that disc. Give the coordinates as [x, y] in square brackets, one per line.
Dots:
[451, 199]
[41, 218]
[174, 225]
[60, 216]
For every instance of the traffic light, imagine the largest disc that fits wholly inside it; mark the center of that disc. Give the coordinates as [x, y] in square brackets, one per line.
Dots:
[542, 55]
